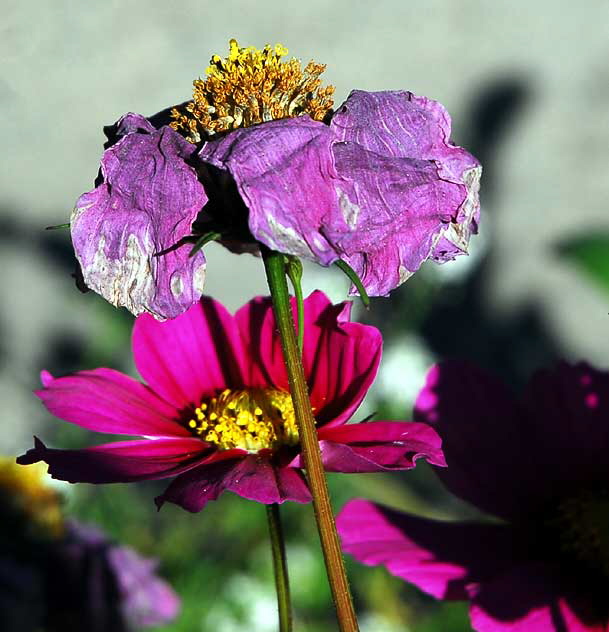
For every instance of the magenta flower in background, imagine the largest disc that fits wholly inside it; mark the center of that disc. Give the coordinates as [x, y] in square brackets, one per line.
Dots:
[376, 184]
[539, 464]
[128, 232]
[216, 413]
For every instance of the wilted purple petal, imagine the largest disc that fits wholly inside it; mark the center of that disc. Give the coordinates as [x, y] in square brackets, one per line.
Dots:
[380, 188]
[127, 233]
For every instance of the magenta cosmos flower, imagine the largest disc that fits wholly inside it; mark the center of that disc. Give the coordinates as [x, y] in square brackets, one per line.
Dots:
[216, 413]
[376, 183]
[539, 464]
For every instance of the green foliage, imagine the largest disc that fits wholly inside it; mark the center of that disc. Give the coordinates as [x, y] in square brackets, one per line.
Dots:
[590, 254]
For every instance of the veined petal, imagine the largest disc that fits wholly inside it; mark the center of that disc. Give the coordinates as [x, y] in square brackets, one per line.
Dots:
[340, 359]
[127, 233]
[120, 462]
[105, 400]
[441, 558]
[251, 477]
[192, 356]
[378, 446]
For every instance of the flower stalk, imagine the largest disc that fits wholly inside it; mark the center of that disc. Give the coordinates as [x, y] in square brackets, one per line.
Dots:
[274, 264]
[280, 568]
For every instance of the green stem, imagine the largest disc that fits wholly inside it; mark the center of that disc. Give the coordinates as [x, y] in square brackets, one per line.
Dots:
[280, 568]
[274, 264]
[294, 272]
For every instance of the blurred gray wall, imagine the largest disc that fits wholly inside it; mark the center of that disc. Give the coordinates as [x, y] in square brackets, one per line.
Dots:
[68, 68]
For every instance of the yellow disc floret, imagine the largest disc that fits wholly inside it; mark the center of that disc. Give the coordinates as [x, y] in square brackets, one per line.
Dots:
[253, 420]
[582, 522]
[252, 86]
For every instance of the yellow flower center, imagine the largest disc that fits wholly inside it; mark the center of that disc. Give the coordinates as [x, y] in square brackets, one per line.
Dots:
[255, 419]
[251, 86]
[582, 524]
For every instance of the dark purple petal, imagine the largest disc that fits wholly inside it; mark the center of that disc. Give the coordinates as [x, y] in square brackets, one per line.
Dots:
[127, 233]
[533, 597]
[192, 356]
[441, 558]
[120, 462]
[378, 446]
[105, 400]
[253, 477]
[568, 408]
[489, 443]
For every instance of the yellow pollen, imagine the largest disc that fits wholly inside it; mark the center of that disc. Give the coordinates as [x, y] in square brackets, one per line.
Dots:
[582, 523]
[253, 420]
[252, 86]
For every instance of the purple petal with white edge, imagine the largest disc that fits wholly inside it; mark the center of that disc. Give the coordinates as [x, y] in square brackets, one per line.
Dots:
[382, 199]
[534, 597]
[283, 170]
[378, 446]
[105, 400]
[127, 233]
[253, 477]
[441, 558]
[120, 462]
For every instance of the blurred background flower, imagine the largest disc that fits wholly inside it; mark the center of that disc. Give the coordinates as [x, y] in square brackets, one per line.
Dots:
[60, 575]
[527, 85]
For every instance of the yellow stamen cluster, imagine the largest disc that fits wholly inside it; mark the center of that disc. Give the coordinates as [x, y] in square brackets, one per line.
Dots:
[252, 86]
[582, 523]
[252, 420]
[23, 490]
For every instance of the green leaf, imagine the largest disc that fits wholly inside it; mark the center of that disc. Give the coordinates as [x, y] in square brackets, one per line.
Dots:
[352, 276]
[204, 239]
[58, 226]
[590, 254]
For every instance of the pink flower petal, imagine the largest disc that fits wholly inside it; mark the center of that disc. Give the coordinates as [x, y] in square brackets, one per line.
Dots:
[340, 358]
[192, 356]
[378, 446]
[252, 477]
[265, 367]
[120, 462]
[105, 400]
[532, 597]
[440, 558]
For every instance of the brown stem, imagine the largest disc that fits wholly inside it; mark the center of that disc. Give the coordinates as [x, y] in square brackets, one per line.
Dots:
[274, 264]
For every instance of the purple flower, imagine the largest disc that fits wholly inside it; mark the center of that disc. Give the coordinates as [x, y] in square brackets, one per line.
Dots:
[380, 187]
[128, 232]
[376, 184]
[540, 465]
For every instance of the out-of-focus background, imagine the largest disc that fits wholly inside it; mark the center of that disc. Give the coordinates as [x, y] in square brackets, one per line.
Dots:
[527, 85]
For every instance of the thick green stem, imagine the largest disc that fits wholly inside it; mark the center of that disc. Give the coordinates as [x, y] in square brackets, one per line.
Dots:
[274, 264]
[280, 568]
